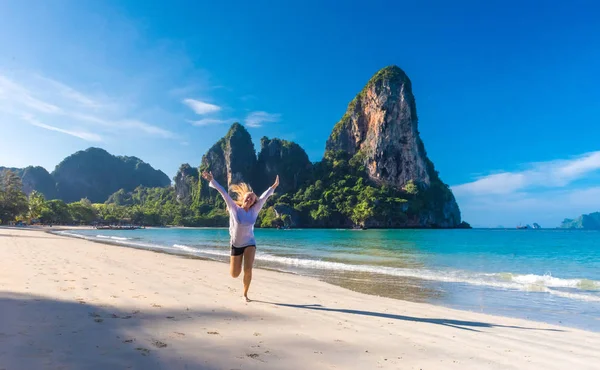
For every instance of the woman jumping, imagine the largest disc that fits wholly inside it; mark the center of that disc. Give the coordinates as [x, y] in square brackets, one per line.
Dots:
[243, 213]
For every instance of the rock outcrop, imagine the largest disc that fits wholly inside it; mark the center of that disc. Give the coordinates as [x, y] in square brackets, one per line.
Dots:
[38, 179]
[287, 214]
[286, 159]
[186, 183]
[380, 130]
[232, 160]
[35, 178]
[380, 125]
[375, 172]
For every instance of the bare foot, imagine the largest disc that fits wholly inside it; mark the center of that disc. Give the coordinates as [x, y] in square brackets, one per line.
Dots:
[247, 299]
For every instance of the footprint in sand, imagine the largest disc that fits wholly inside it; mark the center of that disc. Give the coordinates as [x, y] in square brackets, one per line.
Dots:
[156, 305]
[129, 340]
[159, 344]
[144, 351]
[212, 332]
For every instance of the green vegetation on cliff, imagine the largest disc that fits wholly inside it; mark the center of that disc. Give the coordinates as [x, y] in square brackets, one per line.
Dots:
[342, 195]
[337, 194]
[35, 179]
[284, 158]
[95, 174]
[393, 74]
[375, 173]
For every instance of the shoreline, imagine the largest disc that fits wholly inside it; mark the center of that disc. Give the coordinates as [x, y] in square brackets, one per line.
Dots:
[151, 310]
[115, 243]
[402, 288]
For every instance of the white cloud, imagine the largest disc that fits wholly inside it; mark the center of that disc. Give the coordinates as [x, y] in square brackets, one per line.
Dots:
[552, 174]
[13, 92]
[57, 104]
[209, 122]
[579, 167]
[70, 93]
[201, 107]
[547, 208]
[544, 192]
[87, 136]
[147, 128]
[256, 119]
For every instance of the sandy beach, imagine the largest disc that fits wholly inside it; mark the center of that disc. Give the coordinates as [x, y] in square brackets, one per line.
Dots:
[68, 303]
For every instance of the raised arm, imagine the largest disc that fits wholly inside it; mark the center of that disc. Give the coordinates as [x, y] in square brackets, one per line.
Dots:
[260, 202]
[215, 185]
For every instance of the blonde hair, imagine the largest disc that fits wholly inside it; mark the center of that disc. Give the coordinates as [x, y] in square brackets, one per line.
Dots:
[239, 190]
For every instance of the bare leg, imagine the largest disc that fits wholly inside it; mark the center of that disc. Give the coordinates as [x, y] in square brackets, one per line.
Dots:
[235, 265]
[248, 263]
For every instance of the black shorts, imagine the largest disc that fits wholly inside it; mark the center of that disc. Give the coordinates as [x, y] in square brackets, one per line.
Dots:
[238, 251]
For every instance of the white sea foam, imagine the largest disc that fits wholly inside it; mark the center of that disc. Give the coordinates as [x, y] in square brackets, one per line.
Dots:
[198, 251]
[575, 296]
[529, 282]
[112, 237]
[579, 289]
[550, 281]
[72, 234]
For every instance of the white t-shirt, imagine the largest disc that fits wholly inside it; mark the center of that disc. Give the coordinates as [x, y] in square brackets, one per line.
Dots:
[241, 222]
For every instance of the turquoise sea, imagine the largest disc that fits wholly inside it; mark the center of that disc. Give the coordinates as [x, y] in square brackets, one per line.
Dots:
[545, 275]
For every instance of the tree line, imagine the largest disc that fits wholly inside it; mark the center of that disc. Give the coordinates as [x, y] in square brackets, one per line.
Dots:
[143, 206]
[339, 195]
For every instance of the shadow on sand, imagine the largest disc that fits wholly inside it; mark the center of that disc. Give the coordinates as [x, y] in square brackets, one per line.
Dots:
[40, 333]
[458, 324]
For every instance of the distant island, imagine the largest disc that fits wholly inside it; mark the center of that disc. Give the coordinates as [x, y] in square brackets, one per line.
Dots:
[375, 174]
[588, 222]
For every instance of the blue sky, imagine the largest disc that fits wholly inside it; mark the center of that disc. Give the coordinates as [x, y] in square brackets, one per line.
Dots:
[507, 92]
